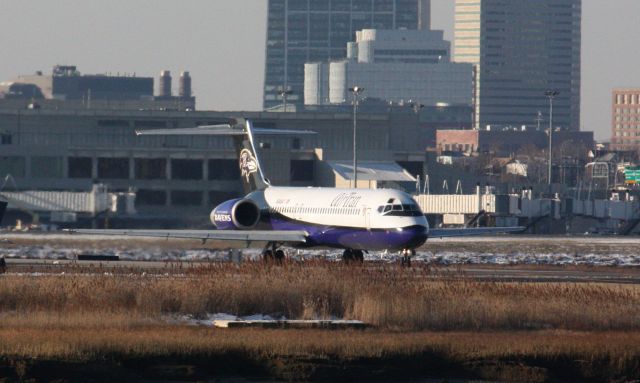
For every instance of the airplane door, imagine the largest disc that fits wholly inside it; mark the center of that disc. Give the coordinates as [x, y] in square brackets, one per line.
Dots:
[367, 217]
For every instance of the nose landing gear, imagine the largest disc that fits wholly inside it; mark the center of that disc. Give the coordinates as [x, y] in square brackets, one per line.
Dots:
[405, 261]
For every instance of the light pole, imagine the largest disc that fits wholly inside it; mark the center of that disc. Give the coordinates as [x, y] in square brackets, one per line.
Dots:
[564, 162]
[356, 90]
[284, 93]
[551, 94]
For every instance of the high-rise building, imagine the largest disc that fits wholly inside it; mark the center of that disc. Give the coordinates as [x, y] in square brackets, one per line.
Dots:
[392, 66]
[625, 119]
[520, 49]
[300, 31]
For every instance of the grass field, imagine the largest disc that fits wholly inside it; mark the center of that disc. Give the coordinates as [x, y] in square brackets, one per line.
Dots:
[444, 325]
[193, 353]
[387, 297]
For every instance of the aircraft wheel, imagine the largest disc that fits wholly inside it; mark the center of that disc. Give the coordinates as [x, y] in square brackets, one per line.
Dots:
[358, 256]
[347, 256]
[268, 256]
[279, 255]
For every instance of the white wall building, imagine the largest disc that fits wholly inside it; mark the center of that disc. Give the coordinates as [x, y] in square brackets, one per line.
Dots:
[392, 65]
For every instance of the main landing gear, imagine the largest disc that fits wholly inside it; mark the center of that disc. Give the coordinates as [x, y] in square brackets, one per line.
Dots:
[405, 261]
[353, 256]
[271, 253]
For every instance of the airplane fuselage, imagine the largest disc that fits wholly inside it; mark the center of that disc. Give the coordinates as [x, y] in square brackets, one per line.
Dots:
[362, 219]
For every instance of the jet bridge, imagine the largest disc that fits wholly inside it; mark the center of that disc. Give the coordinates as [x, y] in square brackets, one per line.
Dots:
[64, 206]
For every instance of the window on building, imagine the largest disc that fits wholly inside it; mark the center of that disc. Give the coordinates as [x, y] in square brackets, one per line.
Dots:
[6, 139]
[150, 168]
[46, 167]
[302, 170]
[415, 168]
[218, 197]
[145, 197]
[383, 5]
[223, 169]
[150, 124]
[186, 198]
[12, 165]
[184, 169]
[113, 168]
[113, 123]
[79, 167]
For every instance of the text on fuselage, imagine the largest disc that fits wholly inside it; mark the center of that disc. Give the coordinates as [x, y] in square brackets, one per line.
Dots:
[346, 200]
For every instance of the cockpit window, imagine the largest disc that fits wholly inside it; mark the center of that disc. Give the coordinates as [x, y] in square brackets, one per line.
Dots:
[400, 210]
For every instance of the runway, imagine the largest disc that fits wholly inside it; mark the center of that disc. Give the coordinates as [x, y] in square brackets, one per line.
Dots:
[496, 273]
[495, 258]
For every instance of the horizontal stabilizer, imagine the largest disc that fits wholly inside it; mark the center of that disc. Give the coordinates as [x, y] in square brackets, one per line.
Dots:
[221, 235]
[221, 130]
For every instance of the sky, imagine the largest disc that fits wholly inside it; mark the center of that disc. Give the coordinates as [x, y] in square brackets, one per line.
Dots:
[221, 42]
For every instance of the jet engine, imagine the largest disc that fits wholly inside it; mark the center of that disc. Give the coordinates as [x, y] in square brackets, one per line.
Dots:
[236, 214]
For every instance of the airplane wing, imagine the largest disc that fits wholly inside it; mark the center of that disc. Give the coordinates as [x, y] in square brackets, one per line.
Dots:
[204, 235]
[465, 232]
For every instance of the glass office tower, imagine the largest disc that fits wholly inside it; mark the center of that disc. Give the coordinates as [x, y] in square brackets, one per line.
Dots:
[520, 49]
[300, 31]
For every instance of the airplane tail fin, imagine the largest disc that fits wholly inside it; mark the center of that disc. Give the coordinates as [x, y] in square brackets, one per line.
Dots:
[243, 133]
[248, 161]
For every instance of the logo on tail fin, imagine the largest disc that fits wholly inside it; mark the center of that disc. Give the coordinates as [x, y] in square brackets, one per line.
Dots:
[248, 164]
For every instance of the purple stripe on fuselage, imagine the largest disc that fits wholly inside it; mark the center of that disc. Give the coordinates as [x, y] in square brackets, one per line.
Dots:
[409, 237]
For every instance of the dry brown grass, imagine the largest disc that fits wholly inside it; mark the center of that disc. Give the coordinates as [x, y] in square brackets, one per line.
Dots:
[388, 297]
[52, 325]
[159, 340]
[507, 356]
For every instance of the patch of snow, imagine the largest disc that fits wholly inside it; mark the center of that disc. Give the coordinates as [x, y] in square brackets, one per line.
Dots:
[208, 319]
[593, 251]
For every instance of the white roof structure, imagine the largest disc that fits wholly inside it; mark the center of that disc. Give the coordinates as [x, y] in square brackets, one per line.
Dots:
[372, 171]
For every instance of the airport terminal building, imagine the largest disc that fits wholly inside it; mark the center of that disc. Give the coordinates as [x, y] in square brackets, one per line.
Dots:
[71, 150]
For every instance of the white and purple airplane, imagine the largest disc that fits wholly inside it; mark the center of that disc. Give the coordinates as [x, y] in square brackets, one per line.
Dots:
[355, 220]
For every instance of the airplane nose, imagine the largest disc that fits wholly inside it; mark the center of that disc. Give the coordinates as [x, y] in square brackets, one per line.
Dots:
[419, 236]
